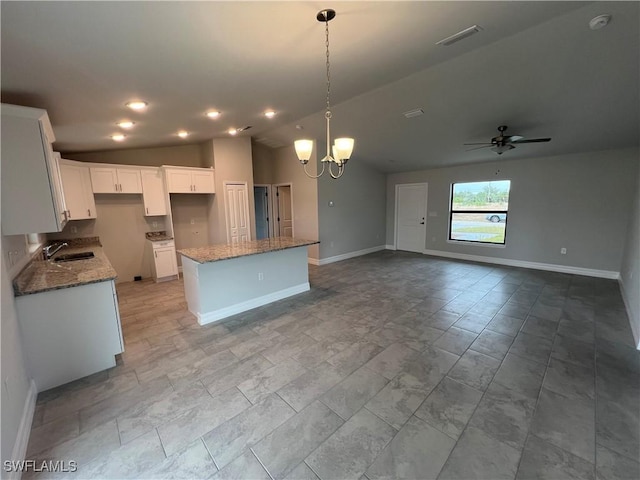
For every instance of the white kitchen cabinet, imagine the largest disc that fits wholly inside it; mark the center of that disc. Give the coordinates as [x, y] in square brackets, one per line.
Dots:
[165, 263]
[190, 180]
[32, 194]
[115, 180]
[78, 193]
[70, 333]
[153, 192]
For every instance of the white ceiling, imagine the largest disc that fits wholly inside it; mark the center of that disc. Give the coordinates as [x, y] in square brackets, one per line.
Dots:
[535, 66]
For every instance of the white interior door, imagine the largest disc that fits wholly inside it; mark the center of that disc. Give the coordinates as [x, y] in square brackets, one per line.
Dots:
[411, 215]
[237, 206]
[285, 211]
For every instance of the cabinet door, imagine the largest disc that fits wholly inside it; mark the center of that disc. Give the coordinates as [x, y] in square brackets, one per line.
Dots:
[166, 262]
[203, 181]
[129, 181]
[179, 181]
[57, 190]
[153, 193]
[104, 180]
[78, 195]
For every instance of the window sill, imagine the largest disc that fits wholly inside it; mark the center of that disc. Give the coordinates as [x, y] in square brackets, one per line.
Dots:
[475, 244]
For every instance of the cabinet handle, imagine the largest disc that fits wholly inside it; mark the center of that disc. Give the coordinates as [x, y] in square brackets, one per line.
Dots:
[88, 212]
[120, 186]
[156, 254]
[147, 210]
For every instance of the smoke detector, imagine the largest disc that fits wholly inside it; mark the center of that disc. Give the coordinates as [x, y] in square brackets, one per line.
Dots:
[599, 22]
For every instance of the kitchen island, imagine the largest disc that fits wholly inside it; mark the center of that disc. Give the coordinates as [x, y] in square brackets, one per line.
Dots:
[223, 280]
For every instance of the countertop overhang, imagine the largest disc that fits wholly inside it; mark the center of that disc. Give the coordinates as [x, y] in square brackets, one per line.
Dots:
[215, 253]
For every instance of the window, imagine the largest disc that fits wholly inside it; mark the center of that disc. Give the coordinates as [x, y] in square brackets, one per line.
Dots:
[478, 212]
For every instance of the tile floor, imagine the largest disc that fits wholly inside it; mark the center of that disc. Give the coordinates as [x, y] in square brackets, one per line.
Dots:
[394, 365]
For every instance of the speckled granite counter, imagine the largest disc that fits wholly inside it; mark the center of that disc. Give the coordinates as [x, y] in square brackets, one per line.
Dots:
[42, 276]
[158, 236]
[215, 253]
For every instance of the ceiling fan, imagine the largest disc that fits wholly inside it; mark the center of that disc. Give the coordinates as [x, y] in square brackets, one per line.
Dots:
[503, 143]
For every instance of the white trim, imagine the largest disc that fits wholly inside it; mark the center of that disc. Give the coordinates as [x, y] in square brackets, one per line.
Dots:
[632, 320]
[477, 244]
[225, 184]
[390, 247]
[22, 438]
[589, 272]
[345, 256]
[216, 315]
[313, 261]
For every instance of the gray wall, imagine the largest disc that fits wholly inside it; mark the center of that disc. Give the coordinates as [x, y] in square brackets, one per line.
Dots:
[14, 371]
[357, 219]
[579, 201]
[181, 155]
[630, 271]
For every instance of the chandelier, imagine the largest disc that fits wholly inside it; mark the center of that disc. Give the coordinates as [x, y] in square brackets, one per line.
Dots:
[340, 152]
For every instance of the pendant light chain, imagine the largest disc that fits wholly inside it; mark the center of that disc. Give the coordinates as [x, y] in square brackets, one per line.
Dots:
[326, 23]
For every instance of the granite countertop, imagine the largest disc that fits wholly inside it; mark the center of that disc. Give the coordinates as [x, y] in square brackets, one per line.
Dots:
[158, 236]
[42, 276]
[215, 253]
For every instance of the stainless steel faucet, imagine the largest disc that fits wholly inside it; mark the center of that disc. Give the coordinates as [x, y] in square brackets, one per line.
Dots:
[46, 251]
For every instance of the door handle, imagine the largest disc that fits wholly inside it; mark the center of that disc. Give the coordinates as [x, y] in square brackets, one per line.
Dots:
[422, 222]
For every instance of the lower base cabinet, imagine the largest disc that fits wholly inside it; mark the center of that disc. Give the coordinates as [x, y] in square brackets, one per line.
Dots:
[164, 261]
[70, 333]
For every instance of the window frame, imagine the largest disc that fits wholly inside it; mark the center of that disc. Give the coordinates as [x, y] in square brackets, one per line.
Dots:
[485, 212]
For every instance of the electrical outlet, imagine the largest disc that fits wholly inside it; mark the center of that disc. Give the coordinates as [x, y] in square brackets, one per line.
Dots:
[330, 244]
[563, 251]
[260, 276]
[155, 224]
[193, 221]
[6, 384]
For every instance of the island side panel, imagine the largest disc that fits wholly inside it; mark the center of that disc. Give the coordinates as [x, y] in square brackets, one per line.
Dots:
[191, 285]
[228, 287]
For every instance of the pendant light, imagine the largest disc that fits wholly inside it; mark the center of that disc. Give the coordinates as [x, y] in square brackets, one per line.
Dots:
[340, 152]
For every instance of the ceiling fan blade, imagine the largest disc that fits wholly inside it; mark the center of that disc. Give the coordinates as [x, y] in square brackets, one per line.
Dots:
[476, 148]
[532, 140]
[483, 143]
[513, 138]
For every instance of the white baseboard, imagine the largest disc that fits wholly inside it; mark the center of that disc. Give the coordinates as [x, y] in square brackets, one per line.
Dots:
[390, 247]
[345, 256]
[216, 315]
[633, 322]
[589, 272]
[22, 439]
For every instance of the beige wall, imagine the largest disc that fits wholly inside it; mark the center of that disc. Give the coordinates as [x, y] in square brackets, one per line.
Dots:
[181, 155]
[263, 164]
[121, 226]
[579, 201]
[233, 163]
[287, 169]
[186, 208]
[15, 377]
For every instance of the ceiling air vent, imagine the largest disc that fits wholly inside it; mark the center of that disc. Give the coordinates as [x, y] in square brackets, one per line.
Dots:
[461, 35]
[413, 113]
[242, 129]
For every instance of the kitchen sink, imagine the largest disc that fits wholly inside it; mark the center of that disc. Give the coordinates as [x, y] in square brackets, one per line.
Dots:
[72, 257]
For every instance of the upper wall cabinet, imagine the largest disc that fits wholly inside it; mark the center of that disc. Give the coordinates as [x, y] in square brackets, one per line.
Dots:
[115, 180]
[32, 196]
[190, 180]
[153, 193]
[78, 194]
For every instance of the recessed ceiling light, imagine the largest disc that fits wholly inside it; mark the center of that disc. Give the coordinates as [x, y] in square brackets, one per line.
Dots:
[599, 22]
[137, 105]
[213, 114]
[233, 131]
[269, 114]
[125, 124]
[118, 137]
[183, 134]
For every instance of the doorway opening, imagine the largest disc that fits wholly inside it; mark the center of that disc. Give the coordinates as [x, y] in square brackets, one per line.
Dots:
[283, 207]
[262, 206]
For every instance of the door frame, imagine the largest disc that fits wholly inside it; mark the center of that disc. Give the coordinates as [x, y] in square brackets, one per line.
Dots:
[269, 206]
[426, 213]
[226, 207]
[276, 208]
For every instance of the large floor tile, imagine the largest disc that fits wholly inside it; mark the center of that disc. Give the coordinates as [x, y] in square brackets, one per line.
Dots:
[568, 423]
[270, 380]
[194, 462]
[245, 467]
[532, 347]
[350, 395]
[352, 448]
[354, 356]
[477, 455]
[310, 385]
[544, 461]
[392, 360]
[475, 369]
[230, 439]
[417, 451]
[494, 344]
[455, 340]
[288, 445]
[613, 466]
[450, 406]
[570, 380]
[522, 375]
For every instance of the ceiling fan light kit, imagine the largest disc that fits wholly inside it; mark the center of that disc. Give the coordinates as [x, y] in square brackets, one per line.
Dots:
[340, 152]
[503, 143]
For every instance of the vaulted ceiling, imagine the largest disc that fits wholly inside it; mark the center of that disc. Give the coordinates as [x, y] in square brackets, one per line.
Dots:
[535, 66]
